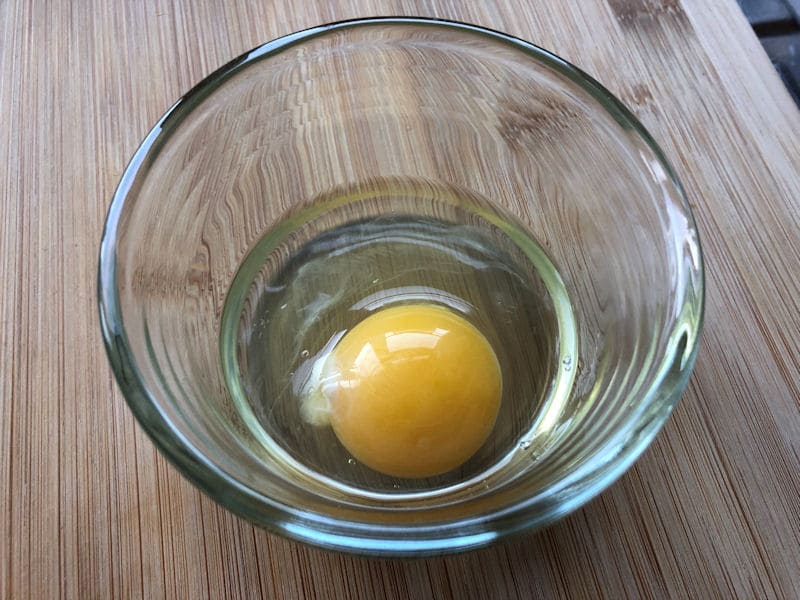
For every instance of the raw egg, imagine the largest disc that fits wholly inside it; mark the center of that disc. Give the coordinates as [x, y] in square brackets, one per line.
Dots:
[411, 391]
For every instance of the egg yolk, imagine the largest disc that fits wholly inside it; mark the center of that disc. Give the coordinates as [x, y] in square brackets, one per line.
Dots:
[412, 391]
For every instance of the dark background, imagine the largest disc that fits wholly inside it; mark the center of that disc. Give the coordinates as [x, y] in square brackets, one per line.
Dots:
[777, 24]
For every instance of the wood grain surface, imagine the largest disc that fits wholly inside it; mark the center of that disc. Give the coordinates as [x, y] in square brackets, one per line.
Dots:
[88, 509]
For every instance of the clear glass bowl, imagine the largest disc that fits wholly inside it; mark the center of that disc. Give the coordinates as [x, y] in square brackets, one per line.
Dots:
[456, 107]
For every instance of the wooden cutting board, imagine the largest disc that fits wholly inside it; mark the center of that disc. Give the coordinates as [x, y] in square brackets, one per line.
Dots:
[88, 509]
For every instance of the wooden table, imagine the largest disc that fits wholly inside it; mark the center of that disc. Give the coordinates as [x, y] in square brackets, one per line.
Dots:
[88, 509]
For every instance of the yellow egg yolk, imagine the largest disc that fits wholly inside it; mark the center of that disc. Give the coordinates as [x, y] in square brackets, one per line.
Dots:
[412, 391]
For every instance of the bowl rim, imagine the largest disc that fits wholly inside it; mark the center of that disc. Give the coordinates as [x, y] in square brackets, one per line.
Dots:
[316, 529]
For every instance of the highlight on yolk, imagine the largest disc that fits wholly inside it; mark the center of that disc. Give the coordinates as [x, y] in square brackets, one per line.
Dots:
[411, 391]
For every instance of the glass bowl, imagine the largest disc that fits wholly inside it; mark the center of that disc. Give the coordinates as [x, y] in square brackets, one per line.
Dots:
[365, 115]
